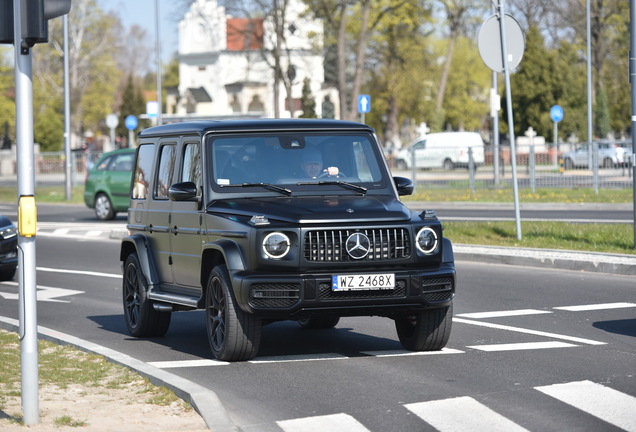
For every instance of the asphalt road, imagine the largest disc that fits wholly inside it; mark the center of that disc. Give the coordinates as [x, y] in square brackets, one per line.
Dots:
[530, 350]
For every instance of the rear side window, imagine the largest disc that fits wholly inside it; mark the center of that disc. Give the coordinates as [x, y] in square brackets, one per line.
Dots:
[122, 163]
[166, 167]
[145, 155]
[191, 164]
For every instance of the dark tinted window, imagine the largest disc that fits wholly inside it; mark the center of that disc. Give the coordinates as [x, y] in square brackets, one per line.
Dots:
[164, 176]
[145, 155]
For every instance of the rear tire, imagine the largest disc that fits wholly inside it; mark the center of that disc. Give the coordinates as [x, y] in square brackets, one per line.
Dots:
[103, 207]
[448, 164]
[427, 330]
[233, 334]
[319, 322]
[142, 319]
[568, 164]
[8, 274]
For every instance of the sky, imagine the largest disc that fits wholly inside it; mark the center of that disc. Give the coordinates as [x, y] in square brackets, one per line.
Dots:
[142, 13]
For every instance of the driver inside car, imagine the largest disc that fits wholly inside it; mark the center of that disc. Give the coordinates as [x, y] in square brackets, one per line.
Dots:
[311, 165]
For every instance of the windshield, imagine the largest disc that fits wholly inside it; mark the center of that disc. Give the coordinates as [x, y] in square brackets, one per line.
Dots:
[295, 161]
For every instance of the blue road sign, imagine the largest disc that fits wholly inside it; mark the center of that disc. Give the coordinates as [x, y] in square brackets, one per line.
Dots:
[556, 113]
[131, 122]
[364, 103]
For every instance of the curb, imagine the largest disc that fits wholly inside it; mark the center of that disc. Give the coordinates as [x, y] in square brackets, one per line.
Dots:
[204, 401]
[548, 258]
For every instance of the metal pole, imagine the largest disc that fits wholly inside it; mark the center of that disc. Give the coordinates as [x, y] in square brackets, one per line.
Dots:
[158, 55]
[495, 124]
[27, 220]
[632, 79]
[555, 153]
[67, 117]
[591, 163]
[511, 131]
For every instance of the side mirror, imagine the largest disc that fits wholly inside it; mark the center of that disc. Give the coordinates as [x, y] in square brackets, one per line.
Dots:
[404, 185]
[186, 191]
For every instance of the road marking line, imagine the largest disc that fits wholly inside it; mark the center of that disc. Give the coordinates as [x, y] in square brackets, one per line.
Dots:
[298, 358]
[605, 403]
[93, 233]
[60, 231]
[528, 331]
[79, 272]
[400, 353]
[462, 414]
[43, 293]
[499, 314]
[521, 346]
[187, 363]
[332, 423]
[600, 306]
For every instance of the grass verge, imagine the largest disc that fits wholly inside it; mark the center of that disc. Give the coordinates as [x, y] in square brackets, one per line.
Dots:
[64, 366]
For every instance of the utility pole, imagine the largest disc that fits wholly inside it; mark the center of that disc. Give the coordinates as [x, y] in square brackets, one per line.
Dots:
[24, 24]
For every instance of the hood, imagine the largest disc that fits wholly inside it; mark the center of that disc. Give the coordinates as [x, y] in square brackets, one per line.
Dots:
[312, 209]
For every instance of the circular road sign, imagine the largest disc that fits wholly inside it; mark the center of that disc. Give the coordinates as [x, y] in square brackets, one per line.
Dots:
[556, 113]
[489, 42]
[112, 121]
[131, 122]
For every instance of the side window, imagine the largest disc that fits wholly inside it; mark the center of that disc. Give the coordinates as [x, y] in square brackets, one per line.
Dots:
[123, 163]
[164, 176]
[145, 154]
[103, 165]
[191, 164]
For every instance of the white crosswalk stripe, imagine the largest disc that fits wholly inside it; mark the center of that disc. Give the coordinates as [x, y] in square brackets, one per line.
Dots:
[598, 400]
[332, 423]
[462, 414]
[465, 413]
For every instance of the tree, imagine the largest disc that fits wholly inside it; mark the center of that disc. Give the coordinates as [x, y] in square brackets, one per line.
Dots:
[133, 103]
[307, 101]
[94, 75]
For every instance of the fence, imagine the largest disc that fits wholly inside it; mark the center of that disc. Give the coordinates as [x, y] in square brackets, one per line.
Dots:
[544, 168]
[535, 169]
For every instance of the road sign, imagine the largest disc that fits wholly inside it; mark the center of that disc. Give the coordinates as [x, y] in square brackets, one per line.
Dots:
[112, 121]
[556, 113]
[131, 122]
[364, 103]
[489, 43]
[152, 109]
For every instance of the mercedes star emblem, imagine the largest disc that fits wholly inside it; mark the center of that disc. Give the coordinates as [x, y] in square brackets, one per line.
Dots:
[358, 245]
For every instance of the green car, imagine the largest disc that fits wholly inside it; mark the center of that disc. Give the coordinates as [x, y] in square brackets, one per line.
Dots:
[107, 188]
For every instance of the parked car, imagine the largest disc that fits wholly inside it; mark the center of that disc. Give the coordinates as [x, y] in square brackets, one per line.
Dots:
[446, 150]
[8, 249]
[258, 221]
[610, 155]
[107, 188]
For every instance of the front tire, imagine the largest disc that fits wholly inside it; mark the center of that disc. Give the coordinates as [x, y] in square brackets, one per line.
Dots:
[427, 330]
[103, 207]
[142, 320]
[448, 164]
[233, 335]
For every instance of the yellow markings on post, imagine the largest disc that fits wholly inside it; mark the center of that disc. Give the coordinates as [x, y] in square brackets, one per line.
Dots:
[27, 216]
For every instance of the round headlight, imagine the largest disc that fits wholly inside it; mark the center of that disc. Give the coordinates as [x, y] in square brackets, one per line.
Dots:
[426, 240]
[276, 245]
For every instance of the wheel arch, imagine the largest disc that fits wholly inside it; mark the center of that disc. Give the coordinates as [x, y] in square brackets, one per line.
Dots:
[138, 244]
[220, 252]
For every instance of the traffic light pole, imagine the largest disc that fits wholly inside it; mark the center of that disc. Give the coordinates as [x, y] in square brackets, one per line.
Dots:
[26, 224]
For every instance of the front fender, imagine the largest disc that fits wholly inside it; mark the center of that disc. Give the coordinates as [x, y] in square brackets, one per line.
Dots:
[231, 253]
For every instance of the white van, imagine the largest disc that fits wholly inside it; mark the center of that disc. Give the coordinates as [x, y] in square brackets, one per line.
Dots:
[446, 150]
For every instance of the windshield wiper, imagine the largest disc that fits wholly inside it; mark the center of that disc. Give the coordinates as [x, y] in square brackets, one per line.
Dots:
[344, 184]
[268, 186]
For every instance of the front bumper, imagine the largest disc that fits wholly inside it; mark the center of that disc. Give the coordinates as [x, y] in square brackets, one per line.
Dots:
[293, 296]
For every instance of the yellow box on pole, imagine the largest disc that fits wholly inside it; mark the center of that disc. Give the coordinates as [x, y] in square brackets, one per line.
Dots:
[27, 216]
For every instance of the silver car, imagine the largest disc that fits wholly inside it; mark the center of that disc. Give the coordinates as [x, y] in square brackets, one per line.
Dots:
[610, 155]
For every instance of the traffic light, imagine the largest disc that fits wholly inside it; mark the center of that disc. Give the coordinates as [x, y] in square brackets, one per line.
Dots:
[34, 23]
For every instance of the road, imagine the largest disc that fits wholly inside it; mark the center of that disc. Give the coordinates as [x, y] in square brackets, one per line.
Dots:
[523, 343]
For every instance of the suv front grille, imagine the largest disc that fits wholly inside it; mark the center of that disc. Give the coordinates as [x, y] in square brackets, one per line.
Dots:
[274, 295]
[330, 245]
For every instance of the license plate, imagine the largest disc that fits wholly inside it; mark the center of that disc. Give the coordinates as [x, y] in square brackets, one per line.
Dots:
[363, 282]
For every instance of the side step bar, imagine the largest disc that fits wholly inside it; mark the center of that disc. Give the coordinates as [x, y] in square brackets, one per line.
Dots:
[167, 299]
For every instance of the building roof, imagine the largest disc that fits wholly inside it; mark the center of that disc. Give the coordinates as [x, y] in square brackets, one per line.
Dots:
[244, 34]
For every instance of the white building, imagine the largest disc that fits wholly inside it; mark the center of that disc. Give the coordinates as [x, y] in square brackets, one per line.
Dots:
[226, 63]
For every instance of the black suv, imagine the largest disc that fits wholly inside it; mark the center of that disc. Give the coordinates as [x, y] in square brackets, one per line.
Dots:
[258, 221]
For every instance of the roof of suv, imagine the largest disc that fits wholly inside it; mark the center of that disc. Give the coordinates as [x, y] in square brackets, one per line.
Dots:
[251, 125]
